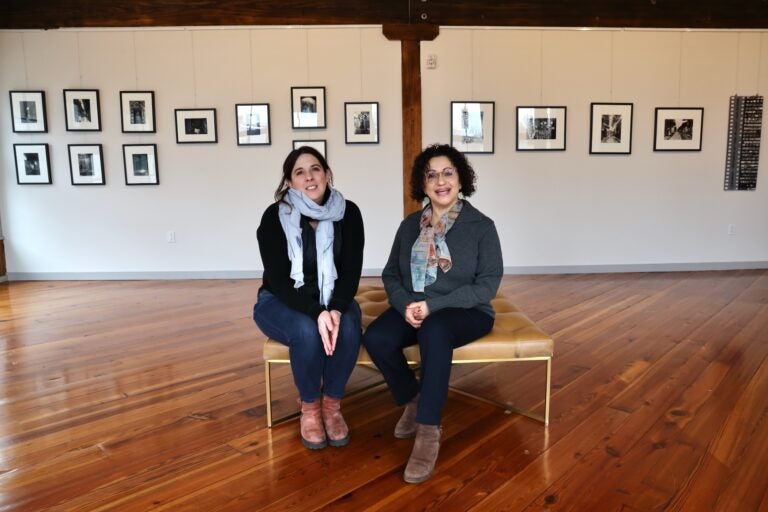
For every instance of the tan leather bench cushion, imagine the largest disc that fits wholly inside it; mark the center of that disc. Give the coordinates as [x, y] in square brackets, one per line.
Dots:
[513, 337]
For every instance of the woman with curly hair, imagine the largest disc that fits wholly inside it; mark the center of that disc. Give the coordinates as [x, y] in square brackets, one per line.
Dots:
[444, 268]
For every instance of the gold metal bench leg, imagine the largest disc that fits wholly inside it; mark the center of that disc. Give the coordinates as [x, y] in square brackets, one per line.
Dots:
[268, 382]
[549, 386]
[510, 408]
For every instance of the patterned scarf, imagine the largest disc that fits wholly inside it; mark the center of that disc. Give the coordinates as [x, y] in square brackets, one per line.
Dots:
[430, 250]
[290, 218]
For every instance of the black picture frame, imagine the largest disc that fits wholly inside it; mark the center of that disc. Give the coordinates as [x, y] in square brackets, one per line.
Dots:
[28, 113]
[308, 107]
[82, 111]
[86, 164]
[610, 128]
[140, 164]
[473, 126]
[137, 111]
[541, 128]
[196, 126]
[678, 128]
[33, 164]
[361, 122]
[318, 144]
[252, 124]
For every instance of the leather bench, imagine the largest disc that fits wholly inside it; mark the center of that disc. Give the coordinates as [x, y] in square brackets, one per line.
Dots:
[514, 338]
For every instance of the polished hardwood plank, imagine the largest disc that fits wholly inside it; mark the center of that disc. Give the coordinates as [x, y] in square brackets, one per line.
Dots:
[149, 395]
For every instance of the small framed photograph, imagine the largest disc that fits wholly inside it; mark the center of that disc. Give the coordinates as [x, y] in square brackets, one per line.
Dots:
[317, 144]
[610, 129]
[28, 111]
[86, 165]
[541, 128]
[196, 125]
[308, 106]
[678, 129]
[253, 126]
[140, 164]
[472, 126]
[33, 164]
[137, 111]
[361, 124]
[82, 112]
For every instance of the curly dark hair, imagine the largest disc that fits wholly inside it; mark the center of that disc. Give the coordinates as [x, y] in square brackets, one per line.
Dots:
[467, 177]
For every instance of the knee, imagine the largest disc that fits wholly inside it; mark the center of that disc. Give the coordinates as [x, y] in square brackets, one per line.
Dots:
[305, 333]
[378, 341]
[434, 334]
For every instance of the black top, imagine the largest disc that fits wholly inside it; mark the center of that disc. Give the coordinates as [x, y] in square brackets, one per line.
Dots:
[348, 242]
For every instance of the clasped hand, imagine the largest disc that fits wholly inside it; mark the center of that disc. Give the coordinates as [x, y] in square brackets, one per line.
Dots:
[416, 312]
[328, 326]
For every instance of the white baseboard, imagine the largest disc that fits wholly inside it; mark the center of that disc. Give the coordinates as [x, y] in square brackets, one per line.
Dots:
[376, 272]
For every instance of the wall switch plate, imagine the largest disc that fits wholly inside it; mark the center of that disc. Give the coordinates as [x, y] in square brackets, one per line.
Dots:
[171, 237]
[731, 229]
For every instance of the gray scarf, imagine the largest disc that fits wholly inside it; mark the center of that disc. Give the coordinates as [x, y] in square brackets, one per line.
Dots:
[290, 218]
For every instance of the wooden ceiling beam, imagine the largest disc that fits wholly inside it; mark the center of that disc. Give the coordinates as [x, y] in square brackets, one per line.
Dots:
[51, 14]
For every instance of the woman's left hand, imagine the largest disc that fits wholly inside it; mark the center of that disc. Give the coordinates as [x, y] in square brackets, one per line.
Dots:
[418, 311]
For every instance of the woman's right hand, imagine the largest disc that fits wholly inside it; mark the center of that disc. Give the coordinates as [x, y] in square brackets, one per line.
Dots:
[328, 331]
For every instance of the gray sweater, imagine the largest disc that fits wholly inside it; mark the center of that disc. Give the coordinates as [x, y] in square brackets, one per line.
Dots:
[474, 277]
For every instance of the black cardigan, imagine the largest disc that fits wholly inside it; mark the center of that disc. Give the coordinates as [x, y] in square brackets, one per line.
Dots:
[348, 259]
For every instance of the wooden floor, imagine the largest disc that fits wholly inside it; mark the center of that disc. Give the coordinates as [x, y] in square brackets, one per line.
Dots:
[136, 396]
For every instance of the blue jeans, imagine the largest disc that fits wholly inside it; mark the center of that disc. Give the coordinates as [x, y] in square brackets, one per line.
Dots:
[438, 335]
[313, 371]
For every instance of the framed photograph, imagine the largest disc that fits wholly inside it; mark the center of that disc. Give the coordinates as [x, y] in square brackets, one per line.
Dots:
[541, 128]
[140, 164]
[195, 125]
[82, 112]
[472, 126]
[28, 111]
[86, 165]
[610, 128]
[678, 129]
[137, 111]
[308, 106]
[361, 122]
[33, 164]
[253, 126]
[317, 144]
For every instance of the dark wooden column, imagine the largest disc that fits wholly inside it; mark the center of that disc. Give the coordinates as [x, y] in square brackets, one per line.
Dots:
[410, 37]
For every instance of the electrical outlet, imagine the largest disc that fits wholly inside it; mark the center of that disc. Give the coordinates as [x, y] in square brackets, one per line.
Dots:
[170, 237]
[431, 61]
[731, 229]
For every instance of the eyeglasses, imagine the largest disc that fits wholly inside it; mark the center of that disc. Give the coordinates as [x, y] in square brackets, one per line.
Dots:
[448, 174]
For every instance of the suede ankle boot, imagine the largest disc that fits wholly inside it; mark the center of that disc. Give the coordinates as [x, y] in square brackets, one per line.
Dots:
[312, 431]
[421, 465]
[335, 427]
[406, 425]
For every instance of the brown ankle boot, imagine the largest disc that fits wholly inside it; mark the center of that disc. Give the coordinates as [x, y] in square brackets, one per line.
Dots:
[312, 431]
[421, 465]
[335, 427]
[406, 425]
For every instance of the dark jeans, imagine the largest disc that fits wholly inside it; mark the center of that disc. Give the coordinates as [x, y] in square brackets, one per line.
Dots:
[438, 335]
[313, 370]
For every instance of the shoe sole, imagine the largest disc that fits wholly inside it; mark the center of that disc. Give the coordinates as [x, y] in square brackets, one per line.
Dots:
[418, 480]
[313, 446]
[339, 442]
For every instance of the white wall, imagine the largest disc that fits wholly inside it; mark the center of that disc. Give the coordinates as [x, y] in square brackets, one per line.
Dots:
[211, 195]
[570, 208]
[554, 210]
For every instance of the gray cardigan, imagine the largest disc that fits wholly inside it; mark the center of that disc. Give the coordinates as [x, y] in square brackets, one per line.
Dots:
[474, 277]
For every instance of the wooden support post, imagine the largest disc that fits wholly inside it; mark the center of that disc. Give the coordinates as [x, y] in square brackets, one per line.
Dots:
[410, 37]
